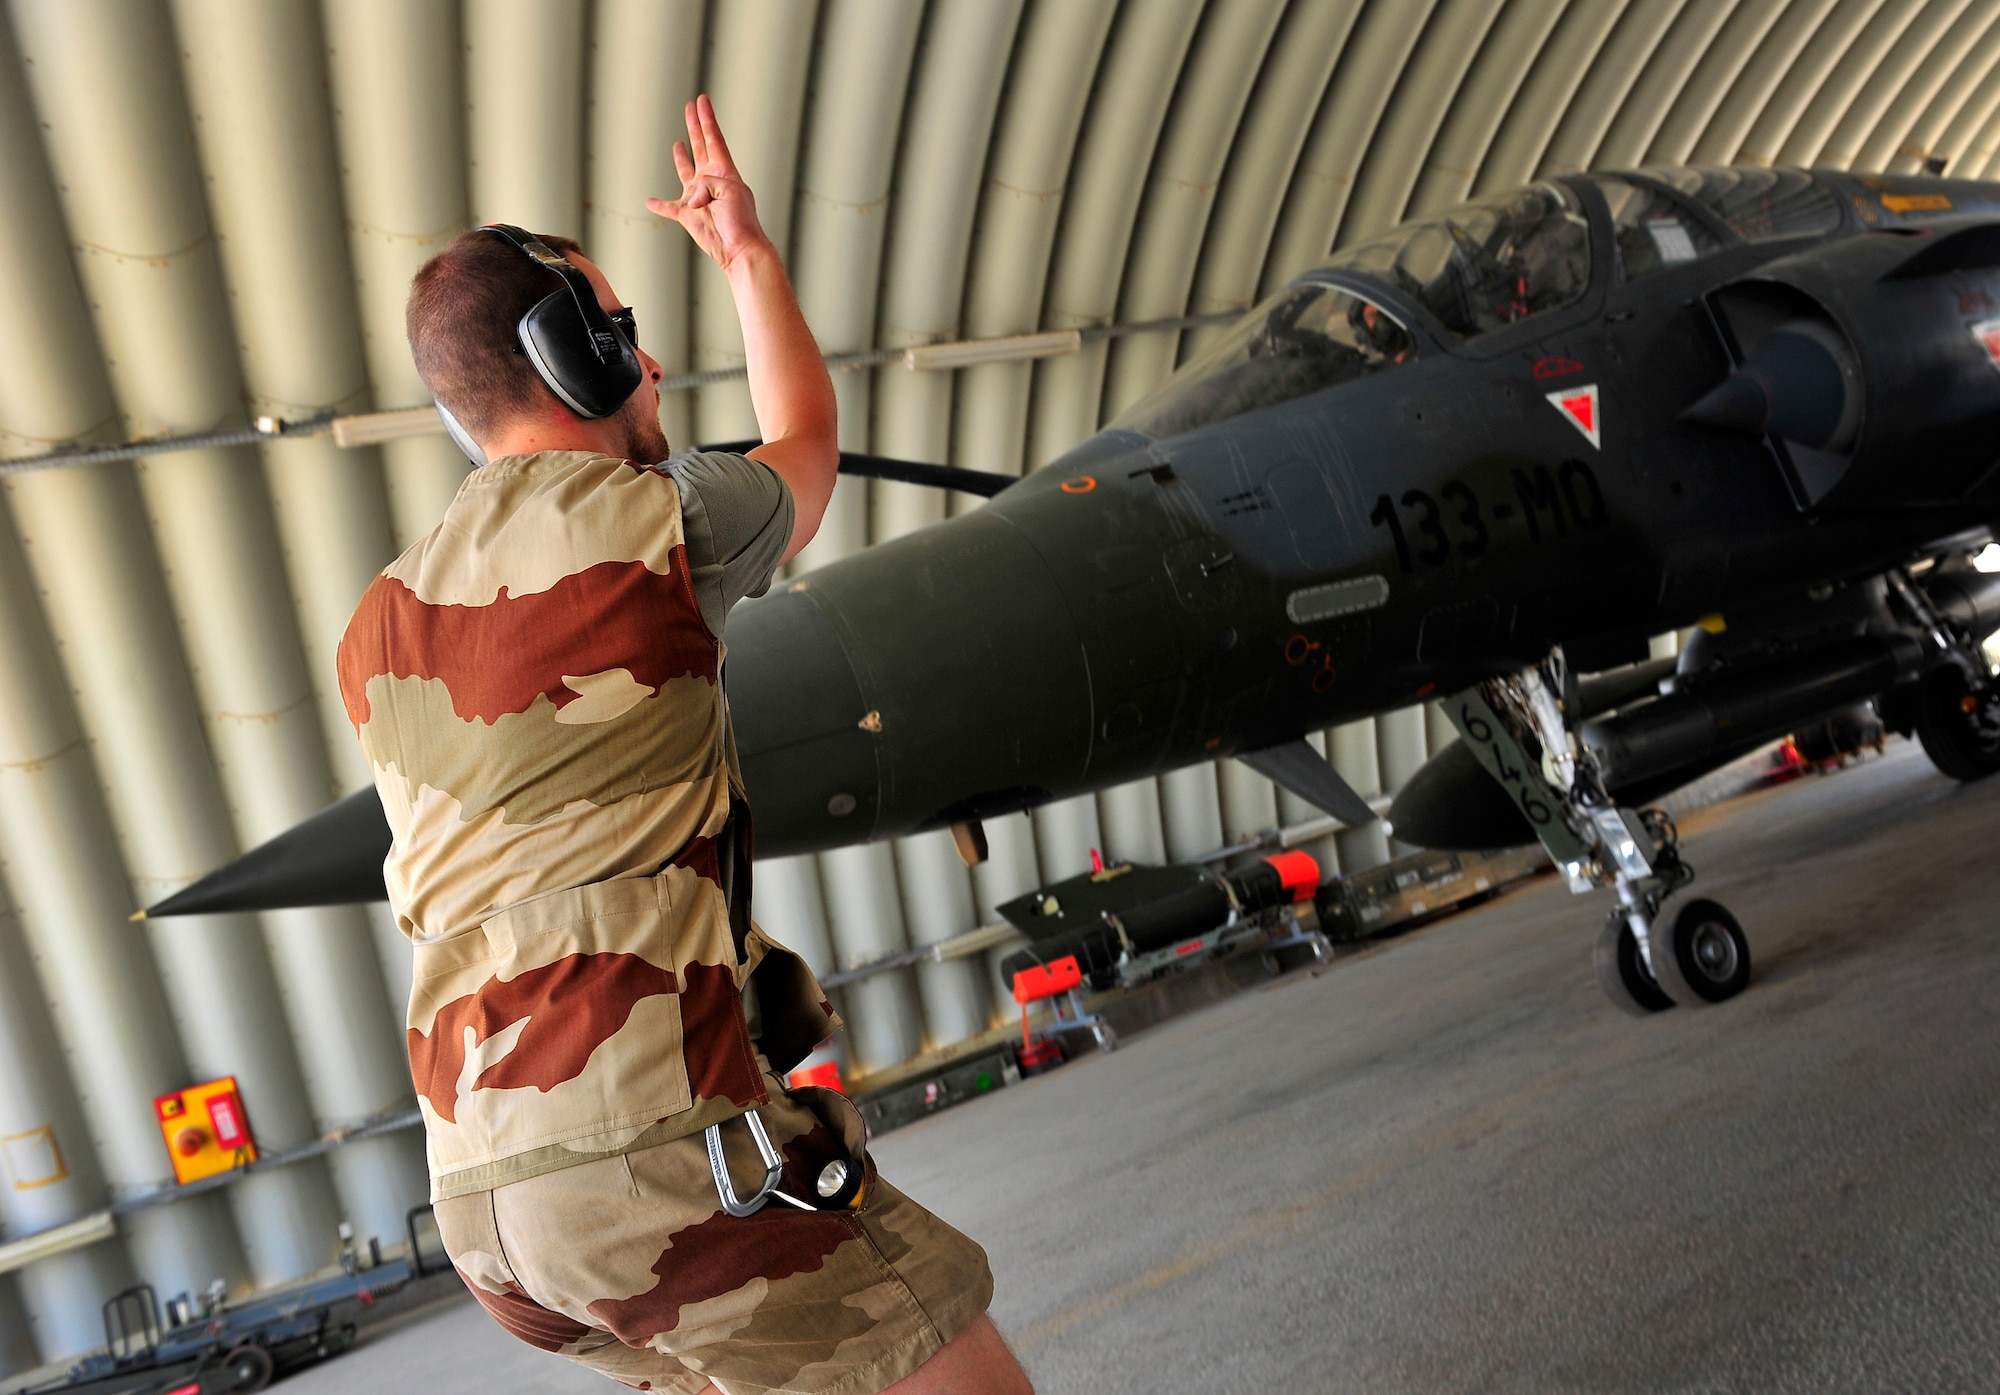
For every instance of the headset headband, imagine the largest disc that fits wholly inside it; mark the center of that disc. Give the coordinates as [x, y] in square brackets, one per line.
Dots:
[603, 338]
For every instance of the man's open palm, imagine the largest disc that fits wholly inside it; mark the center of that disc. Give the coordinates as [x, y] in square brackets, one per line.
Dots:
[715, 206]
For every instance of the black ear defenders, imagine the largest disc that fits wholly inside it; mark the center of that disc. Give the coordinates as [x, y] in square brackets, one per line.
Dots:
[587, 359]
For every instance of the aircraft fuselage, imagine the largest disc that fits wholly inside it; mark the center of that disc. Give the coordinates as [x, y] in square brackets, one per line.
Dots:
[1155, 599]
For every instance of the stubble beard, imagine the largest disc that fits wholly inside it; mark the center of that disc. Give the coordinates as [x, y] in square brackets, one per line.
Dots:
[644, 442]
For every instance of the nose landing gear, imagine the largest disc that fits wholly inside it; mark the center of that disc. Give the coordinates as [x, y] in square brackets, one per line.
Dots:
[1520, 728]
[1698, 958]
[1646, 962]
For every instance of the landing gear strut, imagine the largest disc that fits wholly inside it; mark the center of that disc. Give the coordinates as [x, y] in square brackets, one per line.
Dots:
[1520, 726]
[1633, 963]
[1646, 961]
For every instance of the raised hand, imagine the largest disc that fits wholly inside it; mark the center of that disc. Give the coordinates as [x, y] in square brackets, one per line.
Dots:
[789, 388]
[716, 206]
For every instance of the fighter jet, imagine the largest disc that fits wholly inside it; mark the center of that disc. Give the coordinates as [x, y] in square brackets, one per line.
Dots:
[1478, 459]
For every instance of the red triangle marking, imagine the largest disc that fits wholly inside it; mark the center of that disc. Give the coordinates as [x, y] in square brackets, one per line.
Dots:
[1989, 338]
[1580, 406]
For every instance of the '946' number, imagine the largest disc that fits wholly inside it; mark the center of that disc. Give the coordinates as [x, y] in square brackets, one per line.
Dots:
[1480, 732]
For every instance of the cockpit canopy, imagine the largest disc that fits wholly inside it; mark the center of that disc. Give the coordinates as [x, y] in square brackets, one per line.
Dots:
[1758, 204]
[1477, 268]
[1483, 267]
[1486, 265]
[1304, 338]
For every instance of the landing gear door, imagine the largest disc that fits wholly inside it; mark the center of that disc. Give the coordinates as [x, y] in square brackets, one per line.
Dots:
[1521, 773]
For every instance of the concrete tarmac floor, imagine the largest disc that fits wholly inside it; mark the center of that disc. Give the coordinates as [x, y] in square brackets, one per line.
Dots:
[1447, 1163]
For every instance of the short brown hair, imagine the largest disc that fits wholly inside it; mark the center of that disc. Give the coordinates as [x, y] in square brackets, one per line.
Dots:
[464, 305]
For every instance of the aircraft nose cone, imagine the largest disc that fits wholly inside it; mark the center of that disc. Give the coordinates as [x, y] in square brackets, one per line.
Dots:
[929, 679]
[804, 736]
[334, 858]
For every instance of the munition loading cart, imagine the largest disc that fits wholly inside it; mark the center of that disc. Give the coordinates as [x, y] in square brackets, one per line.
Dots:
[1382, 899]
[1128, 923]
[238, 1347]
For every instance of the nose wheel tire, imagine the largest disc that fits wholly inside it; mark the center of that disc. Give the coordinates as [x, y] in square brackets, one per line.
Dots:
[1702, 957]
[1623, 973]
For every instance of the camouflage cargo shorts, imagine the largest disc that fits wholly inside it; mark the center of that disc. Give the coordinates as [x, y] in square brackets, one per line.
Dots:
[629, 1265]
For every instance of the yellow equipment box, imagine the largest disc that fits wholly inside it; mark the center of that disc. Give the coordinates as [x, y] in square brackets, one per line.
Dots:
[205, 1129]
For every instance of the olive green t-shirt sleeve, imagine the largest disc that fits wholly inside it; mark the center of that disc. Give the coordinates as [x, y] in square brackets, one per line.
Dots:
[737, 516]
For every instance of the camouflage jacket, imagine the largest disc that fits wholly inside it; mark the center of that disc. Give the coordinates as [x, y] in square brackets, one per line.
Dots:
[541, 702]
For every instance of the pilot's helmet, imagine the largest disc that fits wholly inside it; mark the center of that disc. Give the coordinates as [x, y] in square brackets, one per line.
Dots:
[1376, 328]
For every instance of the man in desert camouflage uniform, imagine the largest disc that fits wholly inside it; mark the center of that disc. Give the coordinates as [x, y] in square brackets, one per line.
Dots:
[538, 686]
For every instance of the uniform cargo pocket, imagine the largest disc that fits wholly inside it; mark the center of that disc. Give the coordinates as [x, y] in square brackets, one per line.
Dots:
[573, 1029]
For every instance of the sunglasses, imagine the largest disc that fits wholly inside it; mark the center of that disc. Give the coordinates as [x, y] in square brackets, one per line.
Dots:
[628, 324]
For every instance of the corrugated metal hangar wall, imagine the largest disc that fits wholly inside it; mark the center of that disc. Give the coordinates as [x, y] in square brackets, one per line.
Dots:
[213, 208]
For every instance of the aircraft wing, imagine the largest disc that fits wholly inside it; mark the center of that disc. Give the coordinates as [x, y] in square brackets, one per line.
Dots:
[1299, 768]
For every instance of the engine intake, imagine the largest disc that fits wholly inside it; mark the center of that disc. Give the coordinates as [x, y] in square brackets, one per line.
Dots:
[1857, 361]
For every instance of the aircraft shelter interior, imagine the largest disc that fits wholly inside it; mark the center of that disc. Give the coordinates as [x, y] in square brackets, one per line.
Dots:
[1387, 747]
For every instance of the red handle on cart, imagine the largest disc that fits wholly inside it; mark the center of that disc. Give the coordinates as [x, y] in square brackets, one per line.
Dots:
[1039, 981]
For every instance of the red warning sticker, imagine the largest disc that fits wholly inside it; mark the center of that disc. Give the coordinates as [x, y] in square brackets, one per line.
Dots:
[1579, 405]
[1987, 332]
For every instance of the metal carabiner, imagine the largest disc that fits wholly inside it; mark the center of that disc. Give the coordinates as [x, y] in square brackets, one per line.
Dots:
[774, 1168]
